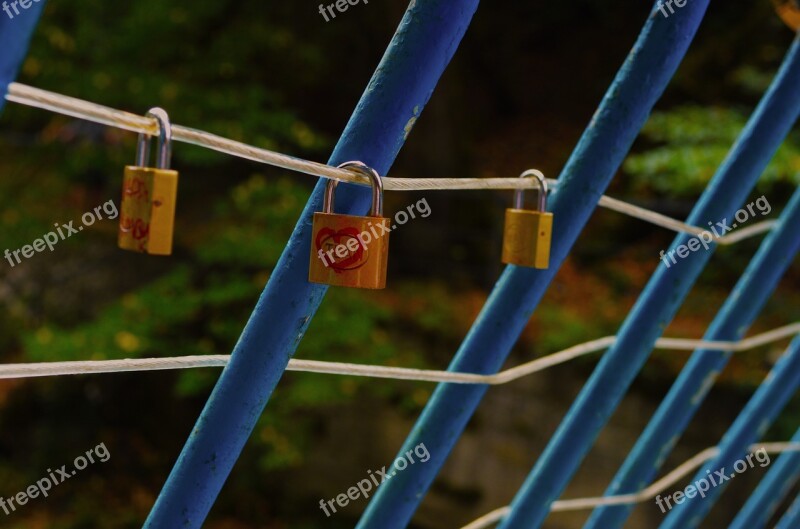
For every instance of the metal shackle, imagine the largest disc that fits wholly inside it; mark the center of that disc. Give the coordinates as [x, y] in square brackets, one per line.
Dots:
[518, 194]
[164, 154]
[377, 188]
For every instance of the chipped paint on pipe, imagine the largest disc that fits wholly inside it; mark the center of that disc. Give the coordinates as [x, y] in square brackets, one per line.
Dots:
[599, 154]
[759, 413]
[659, 302]
[423, 45]
[731, 323]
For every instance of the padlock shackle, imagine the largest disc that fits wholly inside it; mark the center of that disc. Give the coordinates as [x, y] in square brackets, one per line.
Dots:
[164, 153]
[377, 188]
[519, 199]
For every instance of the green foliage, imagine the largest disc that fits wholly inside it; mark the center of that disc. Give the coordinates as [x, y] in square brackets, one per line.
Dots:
[28, 211]
[140, 324]
[691, 143]
[263, 73]
[201, 309]
[254, 224]
[566, 327]
[194, 58]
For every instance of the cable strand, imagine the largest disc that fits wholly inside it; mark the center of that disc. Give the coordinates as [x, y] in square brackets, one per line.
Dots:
[642, 496]
[83, 367]
[78, 108]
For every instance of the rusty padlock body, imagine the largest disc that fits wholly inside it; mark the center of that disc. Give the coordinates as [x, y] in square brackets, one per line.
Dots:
[348, 250]
[149, 196]
[789, 11]
[527, 234]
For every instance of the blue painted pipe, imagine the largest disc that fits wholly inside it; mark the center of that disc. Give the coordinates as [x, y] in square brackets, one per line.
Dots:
[16, 31]
[754, 420]
[688, 392]
[659, 302]
[423, 45]
[770, 493]
[624, 110]
[791, 520]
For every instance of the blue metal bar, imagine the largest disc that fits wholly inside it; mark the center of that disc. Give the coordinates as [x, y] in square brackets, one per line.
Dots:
[604, 145]
[791, 520]
[659, 302]
[688, 392]
[770, 493]
[754, 420]
[16, 31]
[423, 45]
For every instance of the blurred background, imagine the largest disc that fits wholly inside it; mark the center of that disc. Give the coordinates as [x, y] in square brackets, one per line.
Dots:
[518, 94]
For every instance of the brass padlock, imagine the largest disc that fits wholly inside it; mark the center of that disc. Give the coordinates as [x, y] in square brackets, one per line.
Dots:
[149, 195]
[347, 250]
[789, 11]
[527, 233]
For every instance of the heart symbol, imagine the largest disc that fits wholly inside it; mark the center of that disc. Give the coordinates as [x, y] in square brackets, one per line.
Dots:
[329, 237]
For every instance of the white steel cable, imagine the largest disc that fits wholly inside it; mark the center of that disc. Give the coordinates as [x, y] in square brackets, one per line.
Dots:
[664, 221]
[642, 496]
[84, 367]
[70, 106]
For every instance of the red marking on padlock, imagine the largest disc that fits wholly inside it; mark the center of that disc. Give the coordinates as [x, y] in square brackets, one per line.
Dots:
[135, 188]
[356, 259]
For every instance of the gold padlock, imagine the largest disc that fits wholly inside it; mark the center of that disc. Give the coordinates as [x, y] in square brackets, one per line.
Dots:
[527, 234]
[149, 195]
[789, 11]
[347, 250]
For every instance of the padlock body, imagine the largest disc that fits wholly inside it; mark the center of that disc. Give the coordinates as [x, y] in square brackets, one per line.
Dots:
[349, 251]
[526, 238]
[788, 13]
[147, 212]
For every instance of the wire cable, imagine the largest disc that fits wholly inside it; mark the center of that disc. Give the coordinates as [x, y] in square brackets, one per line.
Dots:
[78, 108]
[45, 369]
[642, 496]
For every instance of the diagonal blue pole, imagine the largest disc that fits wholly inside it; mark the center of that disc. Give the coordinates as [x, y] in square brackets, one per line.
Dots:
[754, 420]
[659, 302]
[688, 392]
[770, 493]
[15, 38]
[791, 520]
[624, 110]
[420, 50]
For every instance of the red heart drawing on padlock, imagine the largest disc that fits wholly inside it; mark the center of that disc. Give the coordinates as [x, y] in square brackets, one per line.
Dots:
[332, 239]
[138, 228]
[135, 188]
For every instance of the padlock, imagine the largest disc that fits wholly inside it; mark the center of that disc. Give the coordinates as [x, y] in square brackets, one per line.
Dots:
[527, 233]
[149, 195]
[789, 11]
[348, 250]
